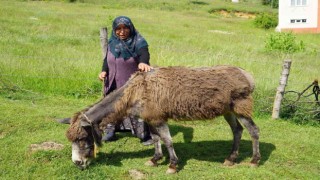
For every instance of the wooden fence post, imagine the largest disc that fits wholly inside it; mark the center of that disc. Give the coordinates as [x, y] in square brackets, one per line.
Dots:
[104, 48]
[281, 88]
[104, 41]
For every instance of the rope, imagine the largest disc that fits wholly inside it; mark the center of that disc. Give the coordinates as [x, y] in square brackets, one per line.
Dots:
[95, 146]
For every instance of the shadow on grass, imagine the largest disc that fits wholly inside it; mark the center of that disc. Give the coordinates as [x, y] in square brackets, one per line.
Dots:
[212, 151]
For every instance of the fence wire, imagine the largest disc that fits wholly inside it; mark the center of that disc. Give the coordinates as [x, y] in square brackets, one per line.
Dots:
[302, 104]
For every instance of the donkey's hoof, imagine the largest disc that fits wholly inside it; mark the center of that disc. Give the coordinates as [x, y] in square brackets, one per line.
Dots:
[228, 163]
[171, 171]
[150, 163]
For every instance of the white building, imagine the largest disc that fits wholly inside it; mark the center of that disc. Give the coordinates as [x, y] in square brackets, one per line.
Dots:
[299, 16]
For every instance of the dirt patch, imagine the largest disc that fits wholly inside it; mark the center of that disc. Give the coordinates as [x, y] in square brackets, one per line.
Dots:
[245, 15]
[136, 174]
[46, 146]
[239, 14]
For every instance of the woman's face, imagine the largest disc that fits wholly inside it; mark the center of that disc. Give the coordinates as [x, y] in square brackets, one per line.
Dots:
[122, 31]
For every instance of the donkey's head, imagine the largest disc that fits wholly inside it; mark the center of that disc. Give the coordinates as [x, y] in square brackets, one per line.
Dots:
[84, 135]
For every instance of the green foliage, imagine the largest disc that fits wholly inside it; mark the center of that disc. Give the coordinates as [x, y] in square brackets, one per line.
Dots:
[300, 115]
[272, 3]
[284, 42]
[266, 20]
[301, 107]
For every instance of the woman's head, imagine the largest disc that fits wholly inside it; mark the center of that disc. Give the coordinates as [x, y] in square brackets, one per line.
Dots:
[123, 28]
[125, 40]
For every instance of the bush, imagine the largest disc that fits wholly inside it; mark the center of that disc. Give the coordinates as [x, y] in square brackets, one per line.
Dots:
[266, 21]
[272, 3]
[284, 42]
[299, 115]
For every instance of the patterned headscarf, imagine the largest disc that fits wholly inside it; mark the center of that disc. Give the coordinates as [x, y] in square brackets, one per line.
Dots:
[129, 47]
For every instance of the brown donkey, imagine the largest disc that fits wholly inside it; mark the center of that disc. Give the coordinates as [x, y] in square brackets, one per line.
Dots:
[175, 93]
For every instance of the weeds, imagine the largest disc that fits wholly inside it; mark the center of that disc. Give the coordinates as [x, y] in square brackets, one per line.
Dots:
[284, 42]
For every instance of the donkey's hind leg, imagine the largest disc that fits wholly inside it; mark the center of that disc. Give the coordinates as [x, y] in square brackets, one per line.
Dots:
[237, 133]
[157, 146]
[254, 133]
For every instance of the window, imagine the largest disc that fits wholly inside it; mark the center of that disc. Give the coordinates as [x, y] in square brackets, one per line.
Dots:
[298, 2]
[292, 21]
[304, 2]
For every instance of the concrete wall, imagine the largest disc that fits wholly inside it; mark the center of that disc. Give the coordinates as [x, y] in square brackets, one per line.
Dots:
[299, 18]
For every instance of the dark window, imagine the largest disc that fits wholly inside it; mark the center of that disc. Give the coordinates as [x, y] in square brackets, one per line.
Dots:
[304, 2]
[292, 21]
[298, 20]
[298, 2]
[304, 20]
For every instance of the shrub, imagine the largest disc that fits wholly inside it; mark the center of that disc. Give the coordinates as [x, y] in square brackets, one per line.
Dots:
[284, 42]
[272, 3]
[299, 114]
[266, 20]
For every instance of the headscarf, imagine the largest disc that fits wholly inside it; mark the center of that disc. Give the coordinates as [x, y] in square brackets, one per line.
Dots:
[129, 47]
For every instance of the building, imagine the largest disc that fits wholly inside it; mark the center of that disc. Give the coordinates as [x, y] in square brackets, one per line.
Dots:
[299, 16]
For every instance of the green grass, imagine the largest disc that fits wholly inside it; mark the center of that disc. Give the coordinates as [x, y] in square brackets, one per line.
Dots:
[50, 57]
[288, 151]
[56, 45]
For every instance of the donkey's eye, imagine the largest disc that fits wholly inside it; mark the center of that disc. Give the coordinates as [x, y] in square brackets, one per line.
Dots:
[82, 144]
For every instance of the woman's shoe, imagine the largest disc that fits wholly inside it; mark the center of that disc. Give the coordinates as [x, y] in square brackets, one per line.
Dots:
[109, 137]
[109, 134]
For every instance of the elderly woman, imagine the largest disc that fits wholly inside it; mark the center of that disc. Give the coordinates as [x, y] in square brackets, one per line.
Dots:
[127, 53]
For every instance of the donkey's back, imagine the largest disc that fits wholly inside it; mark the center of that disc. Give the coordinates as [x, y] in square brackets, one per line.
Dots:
[197, 93]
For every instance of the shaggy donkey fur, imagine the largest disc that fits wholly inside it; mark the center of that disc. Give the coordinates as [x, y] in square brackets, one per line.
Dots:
[175, 93]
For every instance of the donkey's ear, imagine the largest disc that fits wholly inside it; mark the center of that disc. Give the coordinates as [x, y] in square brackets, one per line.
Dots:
[84, 123]
[64, 120]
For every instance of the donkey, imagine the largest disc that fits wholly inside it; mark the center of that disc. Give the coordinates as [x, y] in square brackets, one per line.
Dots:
[170, 92]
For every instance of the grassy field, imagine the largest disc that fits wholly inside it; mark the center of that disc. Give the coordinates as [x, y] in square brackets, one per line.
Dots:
[288, 151]
[50, 57]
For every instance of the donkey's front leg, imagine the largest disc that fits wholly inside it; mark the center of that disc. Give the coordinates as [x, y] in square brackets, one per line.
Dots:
[165, 136]
[157, 145]
[237, 133]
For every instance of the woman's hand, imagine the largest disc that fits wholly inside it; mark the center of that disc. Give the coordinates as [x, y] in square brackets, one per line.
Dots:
[144, 67]
[102, 75]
